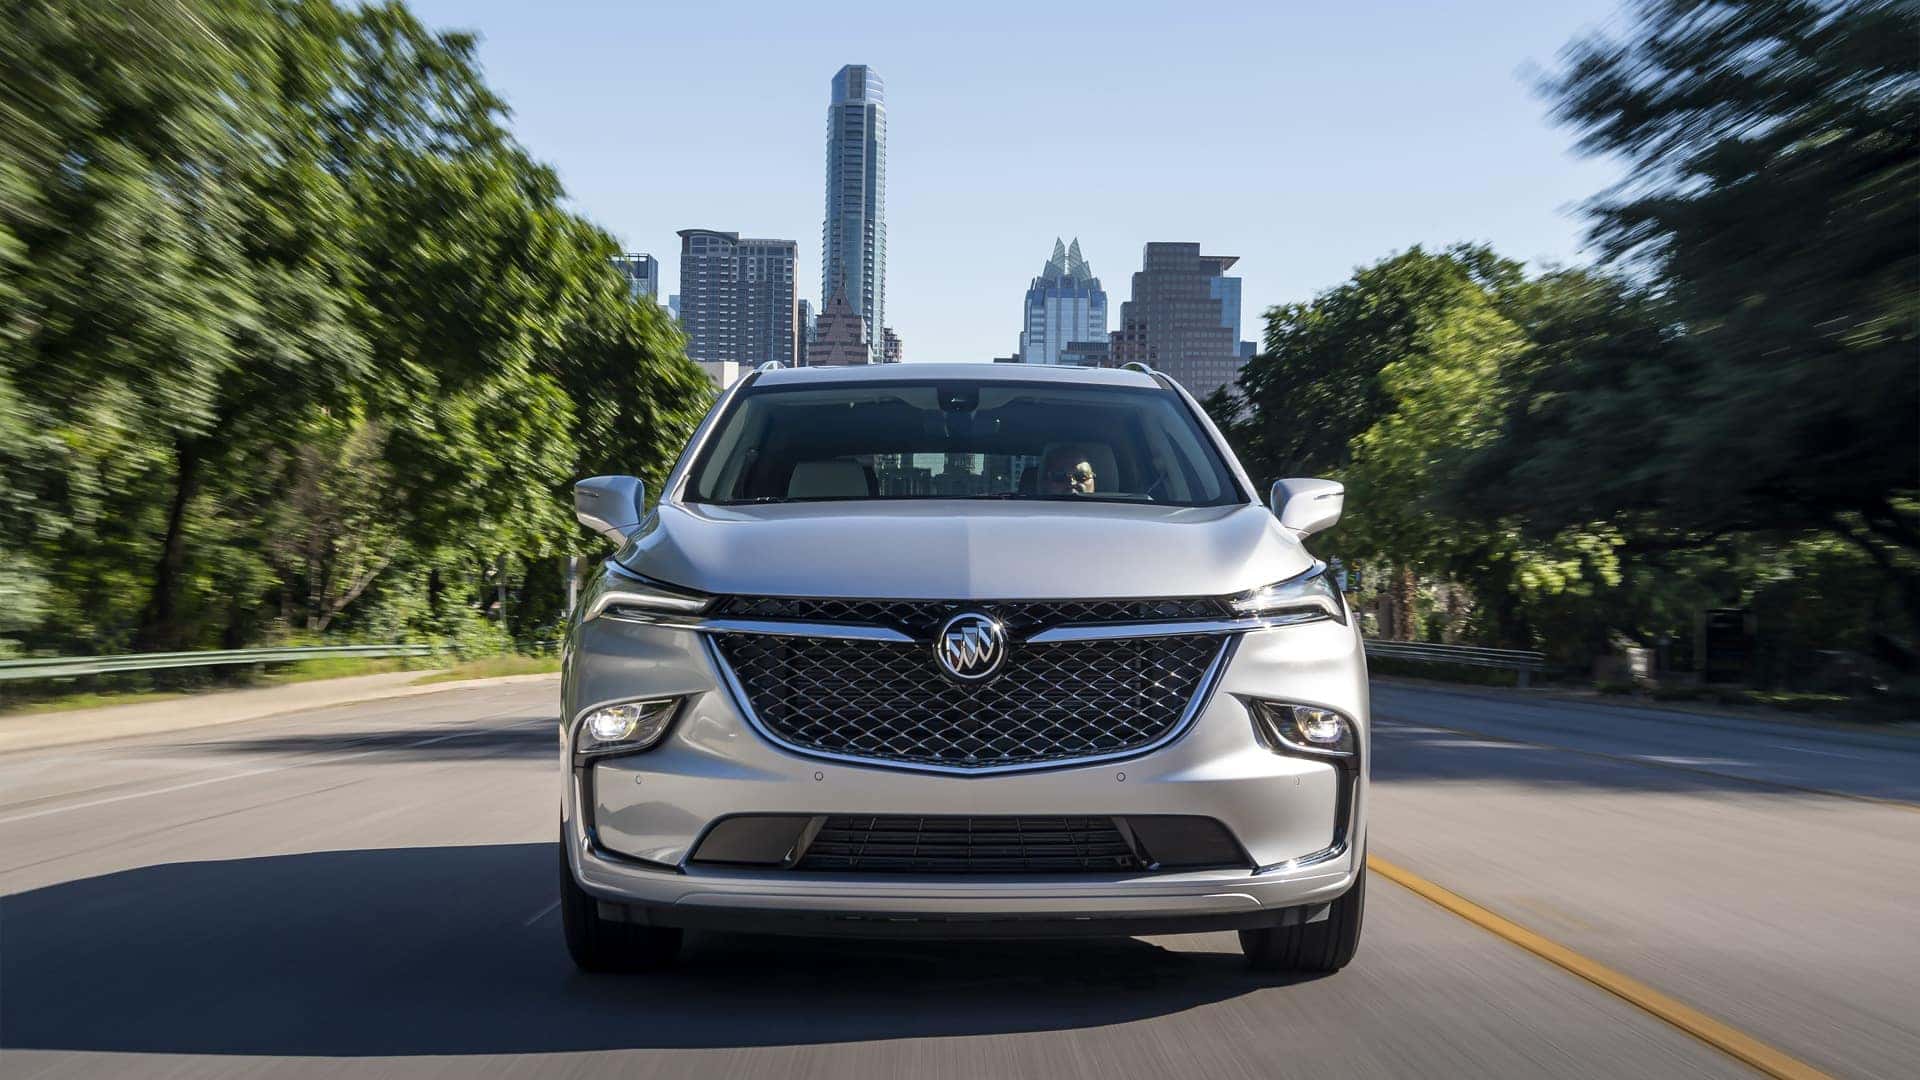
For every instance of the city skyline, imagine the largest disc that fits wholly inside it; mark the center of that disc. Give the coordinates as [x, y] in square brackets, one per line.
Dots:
[1328, 138]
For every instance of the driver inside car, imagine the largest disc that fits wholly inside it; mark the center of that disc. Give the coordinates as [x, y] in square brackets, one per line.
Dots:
[1066, 471]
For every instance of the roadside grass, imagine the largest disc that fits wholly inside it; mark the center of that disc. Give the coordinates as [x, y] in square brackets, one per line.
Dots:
[87, 700]
[493, 667]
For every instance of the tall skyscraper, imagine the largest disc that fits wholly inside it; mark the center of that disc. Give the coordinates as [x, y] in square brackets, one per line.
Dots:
[736, 297]
[1064, 304]
[853, 238]
[642, 272]
[1183, 318]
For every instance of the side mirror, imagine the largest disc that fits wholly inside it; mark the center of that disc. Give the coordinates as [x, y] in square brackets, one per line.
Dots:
[1307, 506]
[610, 505]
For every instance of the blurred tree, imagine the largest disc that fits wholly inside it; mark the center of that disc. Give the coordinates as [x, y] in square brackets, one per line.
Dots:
[1772, 212]
[286, 309]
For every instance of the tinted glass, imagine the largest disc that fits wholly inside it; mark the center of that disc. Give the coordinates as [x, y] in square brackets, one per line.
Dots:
[935, 440]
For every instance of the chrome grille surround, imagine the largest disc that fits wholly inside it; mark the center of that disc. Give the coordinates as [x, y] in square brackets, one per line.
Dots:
[882, 702]
[920, 618]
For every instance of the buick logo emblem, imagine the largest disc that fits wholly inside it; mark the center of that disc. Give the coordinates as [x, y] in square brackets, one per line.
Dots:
[971, 646]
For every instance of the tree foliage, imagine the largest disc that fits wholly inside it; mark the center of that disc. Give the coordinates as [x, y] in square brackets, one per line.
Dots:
[1727, 412]
[292, 327]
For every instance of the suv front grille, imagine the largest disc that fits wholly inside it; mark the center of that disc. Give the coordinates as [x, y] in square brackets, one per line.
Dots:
[1049, 703]
[920, 618]
[969, 845]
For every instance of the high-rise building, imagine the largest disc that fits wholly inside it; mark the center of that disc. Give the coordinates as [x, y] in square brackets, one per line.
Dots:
[736, 297]
[853, 238]
[673, 306]
[1178, 319]
[840, 336]
[803, 333]
[642, 272]
[1065, 303]
[890, 347]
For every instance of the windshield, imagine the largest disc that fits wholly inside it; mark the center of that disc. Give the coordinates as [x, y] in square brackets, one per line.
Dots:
[928, 439]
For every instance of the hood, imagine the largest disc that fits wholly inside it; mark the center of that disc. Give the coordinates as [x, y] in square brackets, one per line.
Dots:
[949, 550]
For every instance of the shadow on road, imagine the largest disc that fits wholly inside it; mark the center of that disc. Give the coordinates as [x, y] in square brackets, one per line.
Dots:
[527, 737]
[452, 950]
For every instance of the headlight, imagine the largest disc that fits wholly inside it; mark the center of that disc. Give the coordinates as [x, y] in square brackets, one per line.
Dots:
[1305, 729]
[625, 728]
[1309, 597]
[623, 596]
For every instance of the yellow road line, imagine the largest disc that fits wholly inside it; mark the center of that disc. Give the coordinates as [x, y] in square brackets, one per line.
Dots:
[1767, 1059]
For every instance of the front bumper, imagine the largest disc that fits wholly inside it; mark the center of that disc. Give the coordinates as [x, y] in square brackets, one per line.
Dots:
[631, 823]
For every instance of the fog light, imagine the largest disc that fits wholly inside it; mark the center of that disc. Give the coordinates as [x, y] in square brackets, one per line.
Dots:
[1304, 728]
[1320, 727]
[625, 728]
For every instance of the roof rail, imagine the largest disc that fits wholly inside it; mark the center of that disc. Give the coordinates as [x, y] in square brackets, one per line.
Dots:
[771, 365]
[1136, 365]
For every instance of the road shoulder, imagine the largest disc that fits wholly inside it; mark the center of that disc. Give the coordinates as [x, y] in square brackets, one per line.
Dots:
[1681, 712]
[43, 730]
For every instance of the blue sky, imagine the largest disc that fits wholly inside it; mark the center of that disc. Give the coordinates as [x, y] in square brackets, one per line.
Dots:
[1306, 138]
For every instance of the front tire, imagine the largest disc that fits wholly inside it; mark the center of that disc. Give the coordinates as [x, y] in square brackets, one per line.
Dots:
[1322, 947]
[602, 945]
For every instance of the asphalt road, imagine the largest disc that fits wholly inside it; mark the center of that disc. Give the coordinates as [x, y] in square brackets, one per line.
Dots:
[369, 890]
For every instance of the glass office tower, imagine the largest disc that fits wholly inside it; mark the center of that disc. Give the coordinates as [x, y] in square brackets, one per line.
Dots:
[853, 239]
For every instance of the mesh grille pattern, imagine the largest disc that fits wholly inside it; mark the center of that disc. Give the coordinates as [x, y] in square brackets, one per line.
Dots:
[964, 845]
[886, 701]
[1022, 617]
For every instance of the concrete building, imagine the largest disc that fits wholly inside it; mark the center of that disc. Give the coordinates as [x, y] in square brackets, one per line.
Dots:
[1087, 353]
[1065, 303]
[642, 272]
[840, 336]
[1183, 318]
[890, 347]
[853, 237]
[723, 373]
[737, 297]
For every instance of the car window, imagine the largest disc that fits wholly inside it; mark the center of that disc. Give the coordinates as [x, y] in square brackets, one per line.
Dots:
[967, 439]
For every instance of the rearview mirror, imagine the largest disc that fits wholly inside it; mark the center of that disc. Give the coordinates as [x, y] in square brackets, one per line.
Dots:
[610, 505]
[1307, 506]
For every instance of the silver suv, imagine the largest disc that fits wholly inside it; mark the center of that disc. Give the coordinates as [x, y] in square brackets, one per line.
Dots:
[962, 650]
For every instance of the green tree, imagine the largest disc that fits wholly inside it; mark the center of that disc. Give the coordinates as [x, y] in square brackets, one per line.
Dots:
[1774, 151]
[287, 313]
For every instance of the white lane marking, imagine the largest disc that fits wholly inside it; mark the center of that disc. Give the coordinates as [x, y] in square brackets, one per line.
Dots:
[1822, 753]
[259, 772]
[1456, 743]
[541, 914]
[1668, 759]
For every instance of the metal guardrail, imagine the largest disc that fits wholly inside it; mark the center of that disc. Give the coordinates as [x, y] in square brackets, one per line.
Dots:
[55, 667]
[1522, 662]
